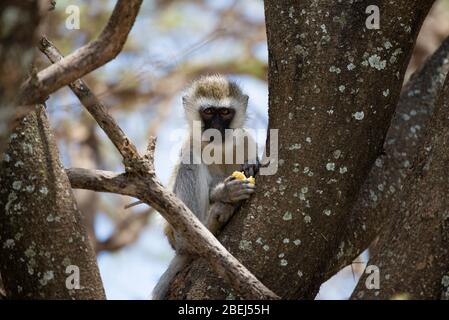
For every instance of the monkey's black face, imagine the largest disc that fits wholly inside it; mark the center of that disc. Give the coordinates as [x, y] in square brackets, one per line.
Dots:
[217, 118]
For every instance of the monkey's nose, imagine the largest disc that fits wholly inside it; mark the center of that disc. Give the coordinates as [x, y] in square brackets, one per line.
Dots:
[216, 125]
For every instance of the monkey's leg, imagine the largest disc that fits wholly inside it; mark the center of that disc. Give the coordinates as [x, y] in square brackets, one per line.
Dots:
[219, 215]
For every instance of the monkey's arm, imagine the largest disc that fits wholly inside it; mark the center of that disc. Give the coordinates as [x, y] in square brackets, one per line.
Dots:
[188, 188]
[188, 183]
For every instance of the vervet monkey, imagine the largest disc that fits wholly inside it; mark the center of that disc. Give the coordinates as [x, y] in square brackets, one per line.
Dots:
[207, 187]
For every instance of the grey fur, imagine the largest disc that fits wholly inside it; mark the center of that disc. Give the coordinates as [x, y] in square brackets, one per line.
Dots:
[207, 190]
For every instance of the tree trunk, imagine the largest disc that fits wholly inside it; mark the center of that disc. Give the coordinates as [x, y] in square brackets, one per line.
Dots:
[333, 87]
[18, 20]
[43, 238]
[384, 186]
[413, 258]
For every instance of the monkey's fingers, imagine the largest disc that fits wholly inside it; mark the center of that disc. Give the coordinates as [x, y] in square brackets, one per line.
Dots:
[229, 179]
[246, 191]
[237, 183]
[242, 197]
[237, 194]
[236, 190]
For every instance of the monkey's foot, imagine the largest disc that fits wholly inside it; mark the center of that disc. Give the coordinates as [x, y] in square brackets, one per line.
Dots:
[219, 215]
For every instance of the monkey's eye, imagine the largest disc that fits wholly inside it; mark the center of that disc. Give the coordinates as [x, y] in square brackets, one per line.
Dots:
[208, 111]
[224, 111]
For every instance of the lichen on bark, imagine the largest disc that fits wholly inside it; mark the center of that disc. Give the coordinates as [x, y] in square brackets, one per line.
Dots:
[41, 229]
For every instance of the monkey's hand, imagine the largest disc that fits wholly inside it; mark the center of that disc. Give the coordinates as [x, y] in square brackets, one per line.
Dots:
[232, 190]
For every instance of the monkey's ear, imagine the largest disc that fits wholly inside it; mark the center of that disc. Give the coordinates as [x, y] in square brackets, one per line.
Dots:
[245, 100]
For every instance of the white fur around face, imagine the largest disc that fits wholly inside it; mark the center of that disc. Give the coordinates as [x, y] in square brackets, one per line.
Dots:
[192, 109]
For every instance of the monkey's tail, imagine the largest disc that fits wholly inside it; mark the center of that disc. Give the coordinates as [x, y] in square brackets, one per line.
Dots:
[177, 264]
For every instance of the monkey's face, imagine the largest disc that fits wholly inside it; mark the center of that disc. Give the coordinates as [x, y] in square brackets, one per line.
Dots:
[218, 118]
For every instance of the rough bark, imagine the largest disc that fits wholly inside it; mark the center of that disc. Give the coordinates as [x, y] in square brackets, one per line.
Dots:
[413, 257]
[384, 185]
[41, 229]
[333, 87]
[17, 50]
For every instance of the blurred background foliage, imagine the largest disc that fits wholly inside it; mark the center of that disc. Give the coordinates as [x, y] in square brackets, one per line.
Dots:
[172, 43]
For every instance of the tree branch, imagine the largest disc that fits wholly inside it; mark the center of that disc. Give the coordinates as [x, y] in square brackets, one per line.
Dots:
[101, 181]
[2, 290]
[85, 59]
[94, 106]
[149, 190]
[128, 229]
[141, 182]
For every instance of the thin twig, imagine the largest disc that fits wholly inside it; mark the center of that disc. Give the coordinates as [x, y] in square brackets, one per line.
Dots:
[94, 106]
[87, 58]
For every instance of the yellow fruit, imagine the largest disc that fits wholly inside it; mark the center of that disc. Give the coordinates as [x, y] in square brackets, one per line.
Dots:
[241, 176]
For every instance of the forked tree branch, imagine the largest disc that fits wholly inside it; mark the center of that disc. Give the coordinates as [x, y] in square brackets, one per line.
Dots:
[140, 181]
[86, 59]
[93, 106]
